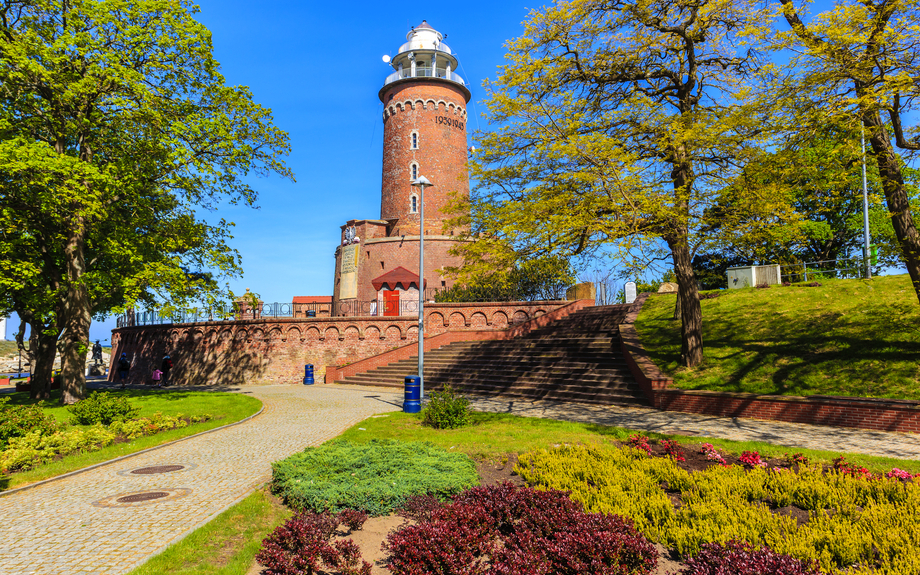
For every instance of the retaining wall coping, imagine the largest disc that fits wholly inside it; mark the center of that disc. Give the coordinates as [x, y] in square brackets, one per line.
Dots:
[844, 400]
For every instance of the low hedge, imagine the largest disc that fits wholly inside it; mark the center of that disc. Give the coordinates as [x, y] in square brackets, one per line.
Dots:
[375, 477]
[857, 524]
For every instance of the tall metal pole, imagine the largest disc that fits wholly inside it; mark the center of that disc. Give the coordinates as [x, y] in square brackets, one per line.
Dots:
[421, 293]
[421, 183]
[865, 205]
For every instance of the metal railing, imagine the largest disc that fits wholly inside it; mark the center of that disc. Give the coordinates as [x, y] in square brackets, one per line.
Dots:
[424, 72]
[348, 308]
[844, 268]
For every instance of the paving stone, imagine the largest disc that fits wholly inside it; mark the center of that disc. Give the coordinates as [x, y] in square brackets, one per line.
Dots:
[55, 528]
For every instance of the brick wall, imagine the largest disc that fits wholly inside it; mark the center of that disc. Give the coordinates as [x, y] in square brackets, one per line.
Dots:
[274, 350]
[858, 412]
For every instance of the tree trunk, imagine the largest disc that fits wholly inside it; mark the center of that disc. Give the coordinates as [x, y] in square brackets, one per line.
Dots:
[44, 350]
[77, 318]
[895, 196]
[691, 315]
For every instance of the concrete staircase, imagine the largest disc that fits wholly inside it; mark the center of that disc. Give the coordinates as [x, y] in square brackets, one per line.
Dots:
[576, 358]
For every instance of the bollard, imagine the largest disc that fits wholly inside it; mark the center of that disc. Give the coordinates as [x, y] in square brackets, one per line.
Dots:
[412, 402]
[308, 374]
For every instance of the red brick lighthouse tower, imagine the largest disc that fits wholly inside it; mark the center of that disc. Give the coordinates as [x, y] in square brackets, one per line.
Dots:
[424, 117]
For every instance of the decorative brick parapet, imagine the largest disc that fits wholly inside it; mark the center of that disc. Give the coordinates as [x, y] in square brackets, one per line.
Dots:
[858, 412]
[274, 350]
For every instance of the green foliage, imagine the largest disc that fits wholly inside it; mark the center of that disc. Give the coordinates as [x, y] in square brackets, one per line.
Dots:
[447, 409]
[544, 278]
[101, 201]
[102, 407]
[854, 522]
[830, 340]
[18, 420]
[376, 477]
[35, 449]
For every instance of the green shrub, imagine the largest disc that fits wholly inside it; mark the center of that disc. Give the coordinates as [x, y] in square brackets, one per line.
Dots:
[19, 420]
[33, 449]
[446, 409]
[853, 520]
[376, 477]
[102, 407]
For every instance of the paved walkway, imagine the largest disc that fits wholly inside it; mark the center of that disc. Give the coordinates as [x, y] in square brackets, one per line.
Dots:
[886, 444]
[75, 526]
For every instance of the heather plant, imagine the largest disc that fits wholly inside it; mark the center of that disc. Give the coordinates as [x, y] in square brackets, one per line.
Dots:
[752, 459]
[446, 409]
[508, 530]
[740, 558]
[639, 442]
[36, 448]
[673, 449]
[712, 454]
[19, 420]
[102, 407]
[856, 525]
[377, 476]
[302, 547]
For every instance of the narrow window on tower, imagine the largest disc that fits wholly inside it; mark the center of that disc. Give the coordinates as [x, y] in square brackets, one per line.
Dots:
[413, 171]
[414, 141]
[413, 204]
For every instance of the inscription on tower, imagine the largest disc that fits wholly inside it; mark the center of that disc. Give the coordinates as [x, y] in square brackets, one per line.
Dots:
[348, 273]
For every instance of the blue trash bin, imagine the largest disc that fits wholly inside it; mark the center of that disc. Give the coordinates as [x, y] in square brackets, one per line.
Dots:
[308, 374]
[413, 399]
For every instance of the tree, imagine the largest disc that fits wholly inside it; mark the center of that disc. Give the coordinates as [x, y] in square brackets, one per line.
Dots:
[617, 120]
[540, 279]
[860, 60]
[116, 130]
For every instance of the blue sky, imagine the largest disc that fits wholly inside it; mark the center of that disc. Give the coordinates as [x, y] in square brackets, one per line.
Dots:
[318, 66]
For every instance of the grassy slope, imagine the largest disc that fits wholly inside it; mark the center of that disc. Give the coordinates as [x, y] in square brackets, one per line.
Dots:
[223, 407]
[848, 337]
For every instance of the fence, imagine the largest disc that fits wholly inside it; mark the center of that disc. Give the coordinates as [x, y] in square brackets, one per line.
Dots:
[845, 268]
[269, 310]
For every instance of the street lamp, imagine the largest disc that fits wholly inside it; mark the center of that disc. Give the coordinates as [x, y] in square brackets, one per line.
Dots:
[421, 183]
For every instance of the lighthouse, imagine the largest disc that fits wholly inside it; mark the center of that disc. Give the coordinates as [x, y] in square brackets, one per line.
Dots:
[424, 118]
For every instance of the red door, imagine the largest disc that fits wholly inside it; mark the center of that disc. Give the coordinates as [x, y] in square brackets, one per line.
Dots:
[391, 302]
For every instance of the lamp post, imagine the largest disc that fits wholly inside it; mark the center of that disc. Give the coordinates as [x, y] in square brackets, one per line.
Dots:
[867, 246]
[421, 183]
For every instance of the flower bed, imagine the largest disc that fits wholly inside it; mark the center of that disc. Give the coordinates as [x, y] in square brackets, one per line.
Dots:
[841, 517]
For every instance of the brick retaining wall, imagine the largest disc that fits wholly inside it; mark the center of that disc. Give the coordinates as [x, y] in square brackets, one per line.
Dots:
[274, 350]
[858, 412]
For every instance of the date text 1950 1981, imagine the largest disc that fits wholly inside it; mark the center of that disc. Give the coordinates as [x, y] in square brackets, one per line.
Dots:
[453, 122]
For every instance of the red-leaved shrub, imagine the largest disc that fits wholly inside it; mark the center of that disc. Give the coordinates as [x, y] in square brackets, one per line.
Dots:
[506, 530]
[419, 507]
[740, 558]
[673, 449]
[639, 442]
[301, 547]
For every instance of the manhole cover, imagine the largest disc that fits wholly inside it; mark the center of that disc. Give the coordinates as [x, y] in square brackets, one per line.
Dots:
[165, 467]
[157, 469]
[138, 497]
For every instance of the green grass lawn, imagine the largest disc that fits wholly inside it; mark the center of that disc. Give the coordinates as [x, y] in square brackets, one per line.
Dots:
[848, 337]
[226, 545]
[495, 434]
[223, 407]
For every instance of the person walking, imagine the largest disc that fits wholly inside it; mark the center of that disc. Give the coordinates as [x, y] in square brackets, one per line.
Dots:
[124, 366]
[165, 367]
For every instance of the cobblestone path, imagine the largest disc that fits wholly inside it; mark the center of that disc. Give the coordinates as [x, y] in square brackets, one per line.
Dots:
[886, 444]
[77, 526]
